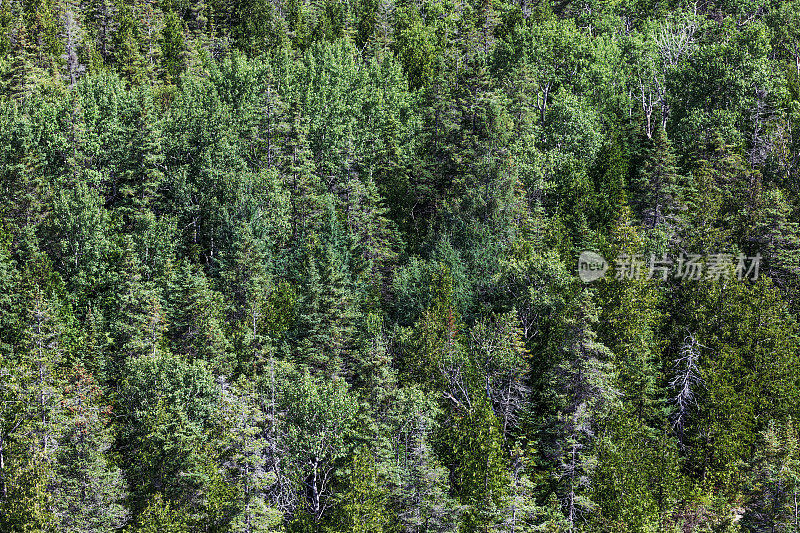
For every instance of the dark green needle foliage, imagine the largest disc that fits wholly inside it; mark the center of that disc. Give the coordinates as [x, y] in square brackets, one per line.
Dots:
[309, 266]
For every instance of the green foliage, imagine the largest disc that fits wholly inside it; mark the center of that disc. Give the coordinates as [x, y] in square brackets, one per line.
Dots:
[362, 505]
[173, 47]
[774, 481]
[159, 517]
[308, 265]
[168, 404]
[479, 474]
[320, 432]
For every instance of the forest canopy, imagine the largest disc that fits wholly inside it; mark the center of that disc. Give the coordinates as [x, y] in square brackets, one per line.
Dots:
[315, 266]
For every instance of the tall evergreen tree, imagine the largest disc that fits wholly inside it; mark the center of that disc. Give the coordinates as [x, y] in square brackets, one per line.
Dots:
[88, 489]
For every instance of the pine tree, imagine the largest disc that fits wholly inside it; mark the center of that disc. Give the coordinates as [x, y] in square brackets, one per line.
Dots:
[160, 517]
[24, 186]
[10, 319]
[165, 407]
[423, 497]
[306, 194]
[248, 445]
[660, 187]
[438, 357]
[610, 182]
[747, 351]
[776, 236]
[638, 480]
[258, 26]
[78, 226]
[249, 288]
[522, 511]
[374, 240]
[104, 12]
[141, 166]
[72, 35]
[628, 325]
[41, 19]
[127, 56]
[134, 312]
[19, 71]
[327, 313]
[479, 470]
[34, 420]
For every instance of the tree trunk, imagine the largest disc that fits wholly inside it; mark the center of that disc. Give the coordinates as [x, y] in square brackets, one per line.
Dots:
[3, 470]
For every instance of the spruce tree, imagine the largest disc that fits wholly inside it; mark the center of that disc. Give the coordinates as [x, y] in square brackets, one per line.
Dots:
[35, 419]
[88, 489]
[194, 318]
[173, 48]
[363, 504]
[773, 488]
[660, 187]
[478, 466]
[583, 381]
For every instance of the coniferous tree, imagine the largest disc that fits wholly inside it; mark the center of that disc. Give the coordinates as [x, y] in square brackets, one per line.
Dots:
[328, 312]
[173, 47]
[309, 265]
[167, 405]
[135, 315]
[126, 46]
[362, 506]
[72, 35]
[479, 475]
[661, 186]
[35, 417]
[88, 489]
[774, 487]
[423, 497]
[194, 320]
[248, 444]
[584, 380]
